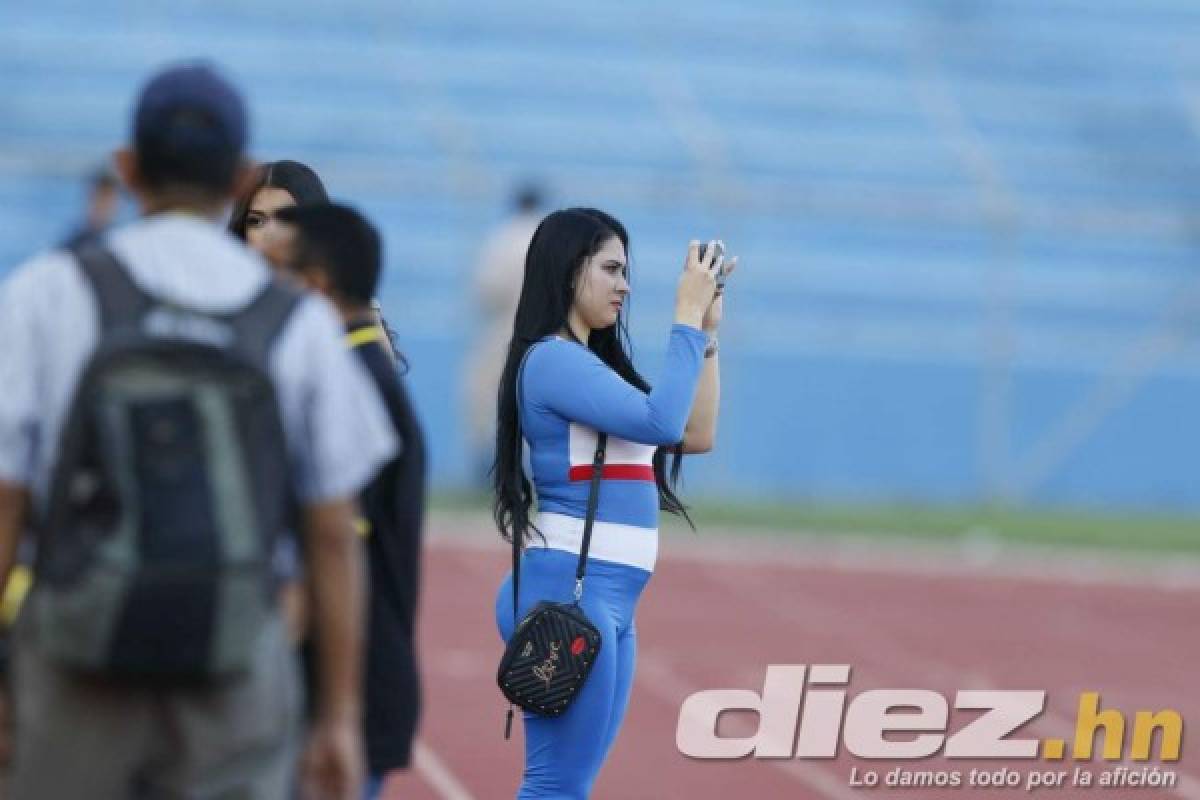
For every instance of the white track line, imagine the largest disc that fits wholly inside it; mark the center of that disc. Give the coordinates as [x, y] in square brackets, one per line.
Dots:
[437, 774]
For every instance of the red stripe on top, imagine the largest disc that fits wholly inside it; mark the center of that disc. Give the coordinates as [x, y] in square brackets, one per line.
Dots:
[614, 472]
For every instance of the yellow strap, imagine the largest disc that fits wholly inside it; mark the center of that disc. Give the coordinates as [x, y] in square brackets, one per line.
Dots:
[357, 338]
[362, 527]
[19, 581]
[363, 336]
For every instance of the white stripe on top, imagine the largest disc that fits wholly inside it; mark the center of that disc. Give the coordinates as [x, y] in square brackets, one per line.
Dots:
[611, 541]
[582, 448]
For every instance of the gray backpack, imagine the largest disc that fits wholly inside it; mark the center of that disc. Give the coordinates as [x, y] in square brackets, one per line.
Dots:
[171, 489]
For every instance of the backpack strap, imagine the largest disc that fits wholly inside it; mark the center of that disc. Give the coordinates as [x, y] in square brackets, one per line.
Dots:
[259, 324]
[119, 300]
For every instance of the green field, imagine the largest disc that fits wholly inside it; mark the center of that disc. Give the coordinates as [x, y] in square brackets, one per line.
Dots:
[1146, 534]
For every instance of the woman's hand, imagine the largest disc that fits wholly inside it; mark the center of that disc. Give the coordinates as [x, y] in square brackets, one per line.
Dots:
[712, 317]
[697, 286]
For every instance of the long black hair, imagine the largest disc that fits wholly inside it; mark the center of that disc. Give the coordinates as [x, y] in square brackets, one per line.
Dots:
[561, 245]
[298, 180]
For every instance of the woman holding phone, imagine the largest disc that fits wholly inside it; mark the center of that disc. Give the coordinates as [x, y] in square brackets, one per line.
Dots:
[567, 378]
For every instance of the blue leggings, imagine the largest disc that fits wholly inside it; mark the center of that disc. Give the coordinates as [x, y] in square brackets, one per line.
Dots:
[563, 755]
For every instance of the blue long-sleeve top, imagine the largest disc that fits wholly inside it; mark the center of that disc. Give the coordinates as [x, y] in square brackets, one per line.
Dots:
[568, 394]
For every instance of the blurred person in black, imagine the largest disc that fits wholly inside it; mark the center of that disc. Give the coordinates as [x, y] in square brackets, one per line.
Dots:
[337, 253]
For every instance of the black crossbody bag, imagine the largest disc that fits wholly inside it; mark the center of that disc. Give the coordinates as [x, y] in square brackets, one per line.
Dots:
[552, 650]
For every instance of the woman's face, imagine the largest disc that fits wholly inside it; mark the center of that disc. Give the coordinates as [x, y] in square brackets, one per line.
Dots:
[263, 232]
[602, 285]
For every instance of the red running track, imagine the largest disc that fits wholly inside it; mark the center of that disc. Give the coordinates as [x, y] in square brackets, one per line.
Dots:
[707, 621]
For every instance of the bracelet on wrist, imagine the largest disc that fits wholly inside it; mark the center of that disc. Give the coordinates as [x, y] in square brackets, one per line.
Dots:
[711, 348]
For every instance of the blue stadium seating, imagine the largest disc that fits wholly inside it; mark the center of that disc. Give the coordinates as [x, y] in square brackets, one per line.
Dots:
[959, 219]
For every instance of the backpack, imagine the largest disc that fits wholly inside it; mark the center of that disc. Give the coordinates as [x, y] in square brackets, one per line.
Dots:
[170, 490]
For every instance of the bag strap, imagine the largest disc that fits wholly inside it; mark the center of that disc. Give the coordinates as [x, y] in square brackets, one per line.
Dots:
[593, 501]
[259, 324]
[119, 300]
[120, 303]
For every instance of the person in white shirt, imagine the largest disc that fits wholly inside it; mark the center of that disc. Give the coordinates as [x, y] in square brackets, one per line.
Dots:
[497, 287]
[74, 738]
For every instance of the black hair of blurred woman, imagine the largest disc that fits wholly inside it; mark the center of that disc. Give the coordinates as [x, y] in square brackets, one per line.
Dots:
[298, 180]
[560, 247]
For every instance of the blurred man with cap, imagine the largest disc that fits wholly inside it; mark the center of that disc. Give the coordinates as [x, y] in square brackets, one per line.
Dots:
[76, 736]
